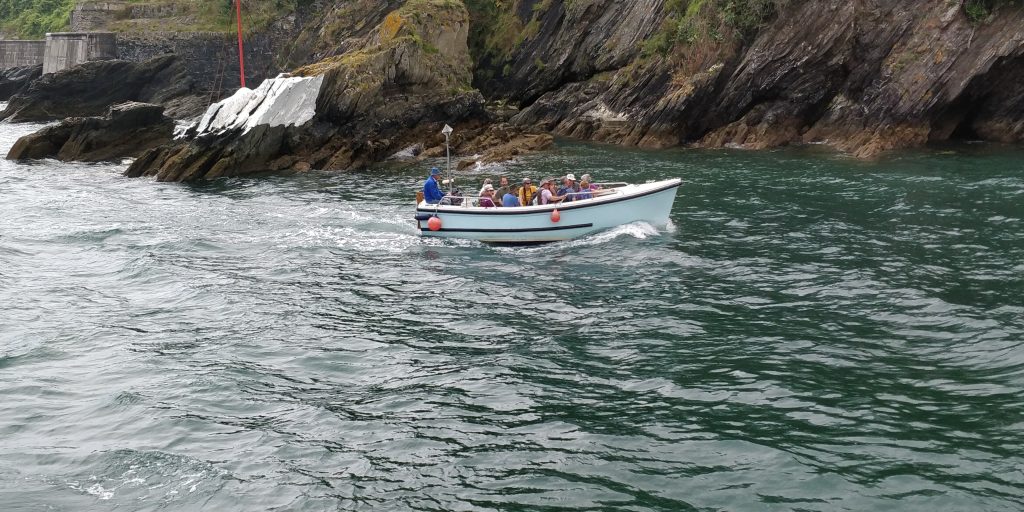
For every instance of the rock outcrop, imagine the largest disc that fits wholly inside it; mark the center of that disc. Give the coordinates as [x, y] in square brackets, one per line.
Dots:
[92, 88]
[128, 129]
[13, 80]
[399, 84]
[501, 143]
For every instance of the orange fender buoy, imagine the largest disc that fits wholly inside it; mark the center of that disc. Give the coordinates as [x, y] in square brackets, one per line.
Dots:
[434, 224]
[555, 216]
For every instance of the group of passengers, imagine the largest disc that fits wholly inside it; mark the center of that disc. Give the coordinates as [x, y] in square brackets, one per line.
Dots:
[507, 195]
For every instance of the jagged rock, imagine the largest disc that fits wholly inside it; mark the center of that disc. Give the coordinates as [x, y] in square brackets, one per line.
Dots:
[13, 80]
[90, 89]
[128, 130]
[403, 81]
[564, 42]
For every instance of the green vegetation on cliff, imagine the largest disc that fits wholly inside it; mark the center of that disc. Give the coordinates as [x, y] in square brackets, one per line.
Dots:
[209, 16]
[979, 10]
[32, 19]
[494, 29]
[690, 22]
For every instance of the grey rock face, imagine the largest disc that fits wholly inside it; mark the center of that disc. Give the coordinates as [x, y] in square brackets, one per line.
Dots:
[128, 129]
[864, 76]
[92, 88]
[13, 80]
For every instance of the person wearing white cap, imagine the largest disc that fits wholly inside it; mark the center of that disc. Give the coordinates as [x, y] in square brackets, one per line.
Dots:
[569, 187]
[487, 181]
[487, 196]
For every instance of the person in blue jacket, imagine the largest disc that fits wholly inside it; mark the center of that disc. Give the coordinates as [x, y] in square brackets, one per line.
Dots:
[432, 189]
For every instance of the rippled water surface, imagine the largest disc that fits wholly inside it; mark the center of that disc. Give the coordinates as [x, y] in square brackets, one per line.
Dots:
[810, 333]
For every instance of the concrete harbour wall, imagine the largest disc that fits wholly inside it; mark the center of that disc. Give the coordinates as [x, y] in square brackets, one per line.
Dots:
[14, 54]
[89, 16]
[68, 49]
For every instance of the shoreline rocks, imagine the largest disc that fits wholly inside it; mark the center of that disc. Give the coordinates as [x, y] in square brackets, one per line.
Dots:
[14, 80]
[91, 88]
[127, 130]
[502, 143]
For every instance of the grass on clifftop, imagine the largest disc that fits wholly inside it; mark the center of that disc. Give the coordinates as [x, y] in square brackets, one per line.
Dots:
[210, 15]
[32, 19]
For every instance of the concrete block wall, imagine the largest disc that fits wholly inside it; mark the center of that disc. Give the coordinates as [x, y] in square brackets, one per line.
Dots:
[68, 49]
[98, 15]
[15, 54]
[89, 16]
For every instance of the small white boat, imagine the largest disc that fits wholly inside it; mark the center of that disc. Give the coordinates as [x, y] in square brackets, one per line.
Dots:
[612, 206]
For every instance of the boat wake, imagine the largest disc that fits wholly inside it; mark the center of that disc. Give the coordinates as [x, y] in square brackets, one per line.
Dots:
[638, 230]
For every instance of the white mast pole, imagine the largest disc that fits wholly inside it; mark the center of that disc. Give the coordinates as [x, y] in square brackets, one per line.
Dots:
[447, 131]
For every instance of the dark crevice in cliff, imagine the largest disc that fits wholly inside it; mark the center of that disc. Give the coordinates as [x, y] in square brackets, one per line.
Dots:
[965, 131]
[989, 107]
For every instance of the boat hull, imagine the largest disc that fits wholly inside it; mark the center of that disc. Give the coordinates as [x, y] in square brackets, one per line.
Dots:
[650, 202]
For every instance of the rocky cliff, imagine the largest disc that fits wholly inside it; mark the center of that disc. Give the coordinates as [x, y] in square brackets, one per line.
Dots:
[863, 76]
[399, 82]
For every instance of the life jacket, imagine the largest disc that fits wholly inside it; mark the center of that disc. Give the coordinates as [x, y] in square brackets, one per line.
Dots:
[527, 195]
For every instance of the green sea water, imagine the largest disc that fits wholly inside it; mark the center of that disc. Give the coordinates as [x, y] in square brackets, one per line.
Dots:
[811, 332]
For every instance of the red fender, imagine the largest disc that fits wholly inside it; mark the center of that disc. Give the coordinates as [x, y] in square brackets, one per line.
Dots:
[434, 224]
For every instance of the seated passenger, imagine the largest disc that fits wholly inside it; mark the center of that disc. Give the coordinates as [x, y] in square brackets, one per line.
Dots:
[487, 196]
[593, 186]
[585, 190]
[547, 196]
[509, 200]
[432, 189]
[569, 187]
[504, 187]
[527, 193]
[486, 182]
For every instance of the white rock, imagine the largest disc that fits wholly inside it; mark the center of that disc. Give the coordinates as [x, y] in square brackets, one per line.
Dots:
[282, 101]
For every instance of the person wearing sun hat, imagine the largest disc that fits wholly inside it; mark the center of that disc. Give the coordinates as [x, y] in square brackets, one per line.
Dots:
[432, 189]
[547, 194]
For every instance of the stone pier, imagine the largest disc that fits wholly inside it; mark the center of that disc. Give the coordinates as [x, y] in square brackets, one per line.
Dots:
[69, 49]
